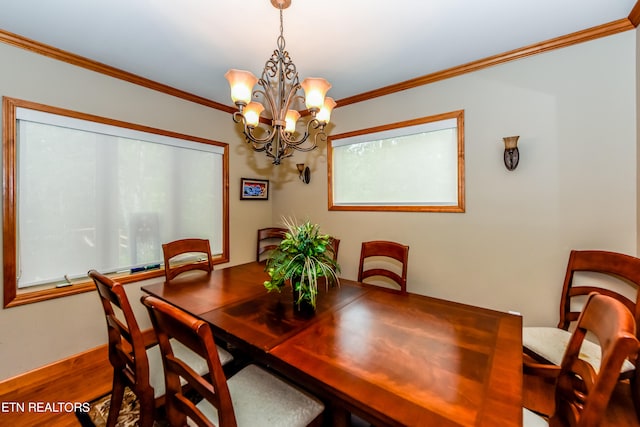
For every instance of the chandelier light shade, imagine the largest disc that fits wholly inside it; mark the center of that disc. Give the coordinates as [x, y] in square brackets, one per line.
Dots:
[242, 83]
[271, 108]
[324, 114]
[252, 113]
[314, 91]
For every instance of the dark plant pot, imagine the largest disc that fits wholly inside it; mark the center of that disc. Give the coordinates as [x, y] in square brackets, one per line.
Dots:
[302, 308]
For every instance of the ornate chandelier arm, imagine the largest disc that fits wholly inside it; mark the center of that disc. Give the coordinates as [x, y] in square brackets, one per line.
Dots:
[247, 130]
[295, 143]
[267, 96]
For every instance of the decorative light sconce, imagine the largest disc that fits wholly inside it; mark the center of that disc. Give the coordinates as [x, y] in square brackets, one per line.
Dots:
[511, 153]
[305, 173]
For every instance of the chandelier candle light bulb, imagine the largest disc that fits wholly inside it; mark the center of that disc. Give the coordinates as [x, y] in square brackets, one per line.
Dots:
[279, 94]
[242, 83]
[252, 113]
[314, 91]
[291, 120]
[325, 112]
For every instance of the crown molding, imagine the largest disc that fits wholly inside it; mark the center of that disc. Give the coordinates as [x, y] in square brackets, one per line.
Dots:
[604, 30]
[80, 61]
[634, 15]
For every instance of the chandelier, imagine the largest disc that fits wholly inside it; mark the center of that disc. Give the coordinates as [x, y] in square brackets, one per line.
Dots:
[280, 131]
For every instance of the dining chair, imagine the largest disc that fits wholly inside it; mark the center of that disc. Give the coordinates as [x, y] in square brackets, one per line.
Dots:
[136, 361]
[384, 259]
[582, 390]
[253, 397]
[614, 274]
[184, 251]
[335, 245]
[268, 239]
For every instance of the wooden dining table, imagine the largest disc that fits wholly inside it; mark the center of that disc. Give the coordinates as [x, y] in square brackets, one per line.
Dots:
[392, 359]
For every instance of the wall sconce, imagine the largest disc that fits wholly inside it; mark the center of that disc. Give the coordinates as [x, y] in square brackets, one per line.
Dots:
[305, 173]
[511, 153]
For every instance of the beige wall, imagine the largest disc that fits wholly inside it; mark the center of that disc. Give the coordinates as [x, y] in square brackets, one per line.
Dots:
[575, 186]
[36, 334]
[637, 64]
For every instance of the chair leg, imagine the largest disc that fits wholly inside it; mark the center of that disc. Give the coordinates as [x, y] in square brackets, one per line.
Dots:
[174, 416]
[117, 393]
[147, 409]
[635, 392]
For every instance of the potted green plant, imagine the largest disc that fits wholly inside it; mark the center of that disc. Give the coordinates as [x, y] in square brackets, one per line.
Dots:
[301, 258]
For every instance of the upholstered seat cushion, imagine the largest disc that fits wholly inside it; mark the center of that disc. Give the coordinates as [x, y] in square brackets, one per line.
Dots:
[550, 343]
[531, 419]
[156, 372]
[262, 399]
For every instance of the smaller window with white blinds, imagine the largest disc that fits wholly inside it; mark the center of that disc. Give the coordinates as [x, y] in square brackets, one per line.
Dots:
[415, 165]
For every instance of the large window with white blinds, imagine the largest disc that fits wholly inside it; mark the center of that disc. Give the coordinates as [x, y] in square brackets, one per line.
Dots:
[105, 195]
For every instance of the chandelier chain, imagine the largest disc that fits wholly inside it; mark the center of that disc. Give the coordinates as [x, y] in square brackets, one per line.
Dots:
[281, 42]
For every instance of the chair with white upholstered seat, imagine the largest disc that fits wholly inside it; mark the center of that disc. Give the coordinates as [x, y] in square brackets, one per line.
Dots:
[609, 273]
[582, 392]
[268, 239]
[186, 249]
[334, 244]
[252, 397]
[136, 364]
[384, 260]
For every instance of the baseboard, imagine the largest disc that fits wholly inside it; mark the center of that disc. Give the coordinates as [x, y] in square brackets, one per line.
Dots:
[43, 396]
[78, 379]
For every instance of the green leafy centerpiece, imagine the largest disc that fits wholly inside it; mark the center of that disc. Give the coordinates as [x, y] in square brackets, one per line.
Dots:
[302, 257]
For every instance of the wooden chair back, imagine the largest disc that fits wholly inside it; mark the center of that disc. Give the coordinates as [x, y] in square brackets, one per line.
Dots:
[127, 352]
[171, 322]
[609, 273]
[268, 239]
[182, 247]
[582, 394]
[617, 265]
[383, 248]
[335, 245]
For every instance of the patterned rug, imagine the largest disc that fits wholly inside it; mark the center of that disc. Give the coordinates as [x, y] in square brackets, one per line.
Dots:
[97, 415]
[129, 412]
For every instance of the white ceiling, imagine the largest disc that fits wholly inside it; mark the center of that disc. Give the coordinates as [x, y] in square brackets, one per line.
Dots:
[358, 45]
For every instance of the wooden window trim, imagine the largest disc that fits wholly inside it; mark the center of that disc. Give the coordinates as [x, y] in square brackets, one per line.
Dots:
[11, 296]
[460, 207]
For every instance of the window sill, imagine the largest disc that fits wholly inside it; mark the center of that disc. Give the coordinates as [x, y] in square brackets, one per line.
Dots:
[28, 297]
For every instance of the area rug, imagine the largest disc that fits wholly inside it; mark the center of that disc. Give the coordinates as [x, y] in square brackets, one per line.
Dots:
[129, 412]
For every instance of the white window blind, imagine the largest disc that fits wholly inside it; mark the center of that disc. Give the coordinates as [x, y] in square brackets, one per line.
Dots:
[404, 166]
[91, 195]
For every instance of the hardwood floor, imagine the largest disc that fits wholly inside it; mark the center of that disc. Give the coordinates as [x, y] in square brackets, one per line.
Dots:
[538, 396]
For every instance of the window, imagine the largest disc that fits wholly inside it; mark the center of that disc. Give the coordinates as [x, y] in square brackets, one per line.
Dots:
[84, 192]
[416, 165]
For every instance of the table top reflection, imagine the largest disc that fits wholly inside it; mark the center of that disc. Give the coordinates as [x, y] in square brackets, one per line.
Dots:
[393, 359]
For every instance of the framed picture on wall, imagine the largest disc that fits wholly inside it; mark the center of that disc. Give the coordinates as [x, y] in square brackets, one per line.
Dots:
[254, 189]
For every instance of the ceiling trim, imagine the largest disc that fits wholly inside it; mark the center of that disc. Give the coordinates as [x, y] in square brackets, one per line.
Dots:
[634, 15]
[604, 30]
[80, 61]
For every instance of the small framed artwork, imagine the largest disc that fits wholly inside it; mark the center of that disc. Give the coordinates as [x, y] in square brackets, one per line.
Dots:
[254, 189]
